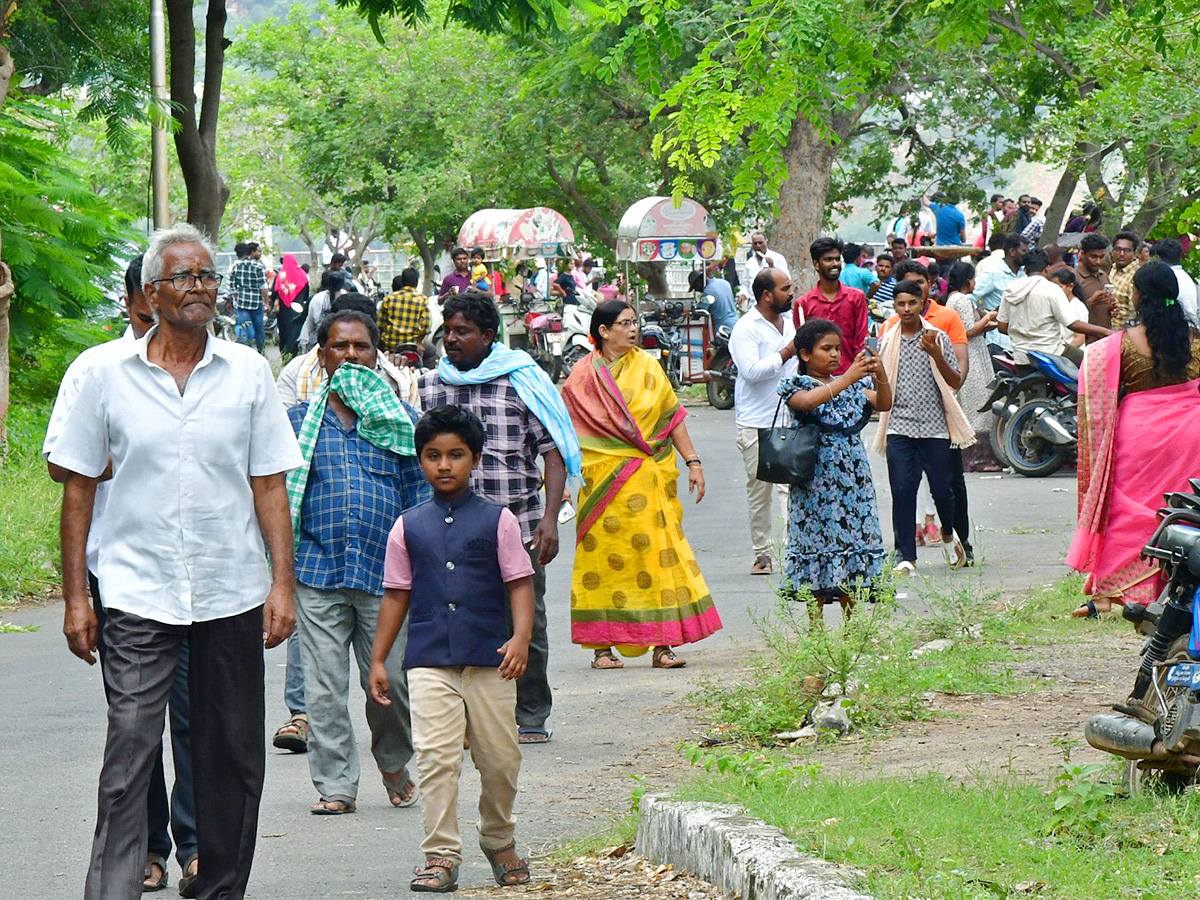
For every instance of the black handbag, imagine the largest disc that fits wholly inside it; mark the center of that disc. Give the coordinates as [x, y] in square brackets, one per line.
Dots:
[788, 455]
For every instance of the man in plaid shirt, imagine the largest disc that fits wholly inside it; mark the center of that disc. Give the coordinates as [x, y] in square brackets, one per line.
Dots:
[248, 290]
[354, 492]
[508, 474]
[404, 313]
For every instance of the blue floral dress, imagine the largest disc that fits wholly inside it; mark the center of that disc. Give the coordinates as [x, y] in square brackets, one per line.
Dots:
[834, 536]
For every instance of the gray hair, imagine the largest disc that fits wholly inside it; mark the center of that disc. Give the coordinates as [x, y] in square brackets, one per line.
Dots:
[179, 233]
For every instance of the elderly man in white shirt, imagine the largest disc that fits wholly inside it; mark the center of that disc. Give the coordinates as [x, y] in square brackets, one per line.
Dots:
[178, 813]
[198, 444]
[759, 258]
[762, 349]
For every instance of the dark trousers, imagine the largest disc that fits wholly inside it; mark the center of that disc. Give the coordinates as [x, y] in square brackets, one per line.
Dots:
[534, 699]
[289, 329]
[962, 513]
[907, 458]
[180, 813]
[225, 680]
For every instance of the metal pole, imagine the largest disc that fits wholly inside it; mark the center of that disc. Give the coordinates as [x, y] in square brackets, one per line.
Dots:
[158, 118]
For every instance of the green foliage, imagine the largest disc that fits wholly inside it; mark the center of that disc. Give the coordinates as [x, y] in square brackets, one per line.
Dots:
[97, 45]
[61, 240]
[948, 839]
[1080, 800]
[29, 504]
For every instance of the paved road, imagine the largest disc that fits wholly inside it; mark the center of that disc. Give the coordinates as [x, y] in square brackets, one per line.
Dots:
[608, 725]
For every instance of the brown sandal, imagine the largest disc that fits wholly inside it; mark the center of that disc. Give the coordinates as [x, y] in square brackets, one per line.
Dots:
[511, 873]
[293, 734]
[664, 658]
[606, 659]
[442, 871]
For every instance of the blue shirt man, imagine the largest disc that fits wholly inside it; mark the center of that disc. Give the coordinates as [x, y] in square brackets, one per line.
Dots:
[855, 276]
[951, 224]
[721, 305]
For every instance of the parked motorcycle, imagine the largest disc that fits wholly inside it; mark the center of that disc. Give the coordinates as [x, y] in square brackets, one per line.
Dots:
[1042, 434]
[1009, 392]
[546, 340]
[1157, 728]
[661, 338]
[721, 371]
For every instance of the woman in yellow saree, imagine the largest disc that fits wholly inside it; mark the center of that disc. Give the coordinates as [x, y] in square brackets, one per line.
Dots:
[636, 583]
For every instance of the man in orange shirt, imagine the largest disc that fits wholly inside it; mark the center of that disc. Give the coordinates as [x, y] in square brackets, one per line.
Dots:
[947, 320]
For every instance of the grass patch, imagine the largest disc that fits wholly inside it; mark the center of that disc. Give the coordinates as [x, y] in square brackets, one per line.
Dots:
[943, 839]
[621, 831]
[875, 659]
[29, 506]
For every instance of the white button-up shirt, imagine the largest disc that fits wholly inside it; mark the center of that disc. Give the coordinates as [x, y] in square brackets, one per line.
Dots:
[755, 346]
[754, 265]
[68, 393]
[181, 541]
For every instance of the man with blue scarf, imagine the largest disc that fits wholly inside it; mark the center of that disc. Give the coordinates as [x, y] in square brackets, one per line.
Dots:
[524, 419]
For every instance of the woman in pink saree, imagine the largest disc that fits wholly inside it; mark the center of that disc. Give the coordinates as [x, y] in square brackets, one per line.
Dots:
[1139, 437]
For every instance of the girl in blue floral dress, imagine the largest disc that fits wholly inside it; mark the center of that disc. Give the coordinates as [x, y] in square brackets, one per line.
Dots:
[834, 537]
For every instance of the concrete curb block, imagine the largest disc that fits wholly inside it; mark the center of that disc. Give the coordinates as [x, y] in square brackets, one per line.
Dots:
[742, 856]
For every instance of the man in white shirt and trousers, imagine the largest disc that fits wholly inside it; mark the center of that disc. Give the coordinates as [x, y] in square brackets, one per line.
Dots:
[197, 443]
[763, 350]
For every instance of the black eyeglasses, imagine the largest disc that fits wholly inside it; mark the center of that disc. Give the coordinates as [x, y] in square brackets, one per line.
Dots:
[185, 281]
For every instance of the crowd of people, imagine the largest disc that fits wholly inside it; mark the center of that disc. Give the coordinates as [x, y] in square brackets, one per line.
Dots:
[405, 517]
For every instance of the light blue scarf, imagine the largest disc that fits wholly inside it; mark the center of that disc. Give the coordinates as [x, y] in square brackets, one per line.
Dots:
[535, 389]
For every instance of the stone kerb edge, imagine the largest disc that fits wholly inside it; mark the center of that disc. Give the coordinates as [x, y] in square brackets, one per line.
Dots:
[743, 857]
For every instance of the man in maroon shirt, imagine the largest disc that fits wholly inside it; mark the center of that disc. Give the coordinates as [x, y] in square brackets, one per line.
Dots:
[830, 299]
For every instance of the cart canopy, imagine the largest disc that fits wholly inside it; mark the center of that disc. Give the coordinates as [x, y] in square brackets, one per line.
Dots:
[518, 233]
[655, 229]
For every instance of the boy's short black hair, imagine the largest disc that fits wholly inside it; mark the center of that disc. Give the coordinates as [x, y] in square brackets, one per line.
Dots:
[452, 420]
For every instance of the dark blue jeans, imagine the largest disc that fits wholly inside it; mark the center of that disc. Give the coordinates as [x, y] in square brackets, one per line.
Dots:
[180, 813]
[244, 320]
[907, 458]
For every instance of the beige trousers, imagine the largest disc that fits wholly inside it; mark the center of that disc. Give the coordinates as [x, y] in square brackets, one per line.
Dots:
[449, 704]
[759, 494]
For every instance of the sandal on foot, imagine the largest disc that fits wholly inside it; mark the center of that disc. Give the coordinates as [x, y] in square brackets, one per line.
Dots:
[954, 554]
[333, 807]
[397, 787]
[442, 871]
[531, 735]
[605, 659]
[293, 734]
[1087, 611]
[664, 658]
[150, 882]
[187, 883]
[511, 873]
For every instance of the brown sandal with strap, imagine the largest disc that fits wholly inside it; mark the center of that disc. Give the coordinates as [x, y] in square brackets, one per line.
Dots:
[606, 659]
[443, 871]
[664, 658]
[511, 873]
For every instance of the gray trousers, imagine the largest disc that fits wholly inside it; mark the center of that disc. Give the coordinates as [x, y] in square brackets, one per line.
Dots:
[228, 755]
[330, 623]
[534, 699]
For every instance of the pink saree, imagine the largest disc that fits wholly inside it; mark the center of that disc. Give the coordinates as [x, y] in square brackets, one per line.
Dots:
[1131, 452]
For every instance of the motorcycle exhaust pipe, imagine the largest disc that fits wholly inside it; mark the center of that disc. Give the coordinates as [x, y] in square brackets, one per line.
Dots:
[1051, 429]
[1125, 737]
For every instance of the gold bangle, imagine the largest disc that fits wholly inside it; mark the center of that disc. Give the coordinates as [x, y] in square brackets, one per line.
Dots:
[830, 389]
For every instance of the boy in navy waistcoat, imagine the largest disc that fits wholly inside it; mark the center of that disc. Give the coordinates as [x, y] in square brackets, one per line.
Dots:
[456, 567]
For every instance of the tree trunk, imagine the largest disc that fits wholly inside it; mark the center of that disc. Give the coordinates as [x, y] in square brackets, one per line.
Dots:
[802, 202]
[1060, 203]
[195, 139]
[421, 238]
[7, 69]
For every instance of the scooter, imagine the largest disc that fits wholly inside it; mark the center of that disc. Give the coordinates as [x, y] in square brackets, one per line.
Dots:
[1042, 434]
[577, 327]
[546, 341]
[659, 333]
[721, 371]
[1157, 728]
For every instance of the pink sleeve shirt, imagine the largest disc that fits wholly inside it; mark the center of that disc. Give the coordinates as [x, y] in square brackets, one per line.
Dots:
[513, 558]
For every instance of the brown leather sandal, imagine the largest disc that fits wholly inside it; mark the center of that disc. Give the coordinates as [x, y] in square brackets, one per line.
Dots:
[664, 658]
[437, 869]
[606, 659]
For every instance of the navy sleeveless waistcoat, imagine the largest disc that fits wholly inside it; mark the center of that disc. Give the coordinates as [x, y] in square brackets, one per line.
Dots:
[458, 611]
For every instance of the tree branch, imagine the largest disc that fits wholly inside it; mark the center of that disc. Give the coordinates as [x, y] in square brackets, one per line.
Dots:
[214, 69]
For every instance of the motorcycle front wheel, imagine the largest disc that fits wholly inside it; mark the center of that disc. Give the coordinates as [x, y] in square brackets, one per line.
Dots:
[1028, 452]
[720, 393]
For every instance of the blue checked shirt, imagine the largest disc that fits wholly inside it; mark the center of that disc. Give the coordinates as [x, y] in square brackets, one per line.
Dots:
[247, 281]
[356, 492]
